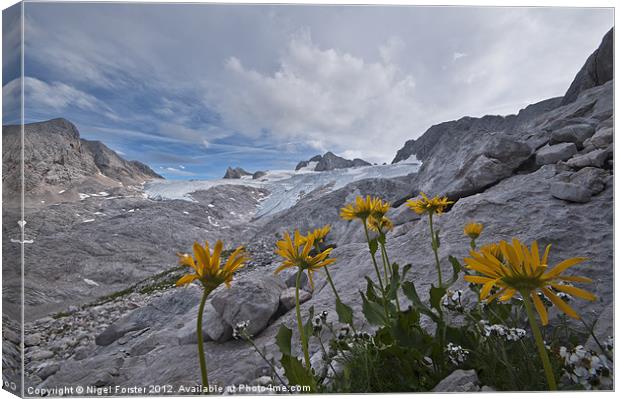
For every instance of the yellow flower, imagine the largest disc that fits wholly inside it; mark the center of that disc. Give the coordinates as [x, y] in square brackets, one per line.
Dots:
[207, 266]
[429, 205]
[296, 253]
[318, 235]
[493, 249]
[382, 225]
[522, 270]
[363, 208]
[473, 230]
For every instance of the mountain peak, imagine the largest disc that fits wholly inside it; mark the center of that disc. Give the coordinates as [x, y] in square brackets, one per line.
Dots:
[330, 161]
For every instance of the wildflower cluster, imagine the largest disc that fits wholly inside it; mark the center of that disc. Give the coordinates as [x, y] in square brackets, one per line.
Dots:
[456, 354]
[241, 330]
[452, 300]
[509, 278]
[586, 368]
[498, 330]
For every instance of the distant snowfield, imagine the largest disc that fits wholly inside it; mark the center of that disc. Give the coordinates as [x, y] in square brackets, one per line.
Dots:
[286, 187]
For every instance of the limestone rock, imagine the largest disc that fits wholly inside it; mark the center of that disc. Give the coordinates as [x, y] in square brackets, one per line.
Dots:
[287, 298]
[570, 192]
[572, 134]
[551, 154]
[594, 179]
[596, 158]
[602, 138]
[214, 328]
[598, 69]
[459, 381]
[255, 301]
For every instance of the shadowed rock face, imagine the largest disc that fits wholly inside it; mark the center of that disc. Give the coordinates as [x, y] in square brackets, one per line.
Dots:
[331, 161]
[598, 69]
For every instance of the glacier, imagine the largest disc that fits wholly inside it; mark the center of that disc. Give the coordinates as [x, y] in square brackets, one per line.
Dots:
[286, 187]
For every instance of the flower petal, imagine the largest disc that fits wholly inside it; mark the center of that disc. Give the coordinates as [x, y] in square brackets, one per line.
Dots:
[540, 308]
[563, 306]
[574, 291]
[188, 278]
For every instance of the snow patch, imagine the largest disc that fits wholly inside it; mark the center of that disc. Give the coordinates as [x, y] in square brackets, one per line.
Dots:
[91, 282]
[88, 220]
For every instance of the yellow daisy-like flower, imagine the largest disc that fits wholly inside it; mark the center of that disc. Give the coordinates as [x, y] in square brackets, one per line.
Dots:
[318, 235]
[382, 225]
[523, 270]
[363, 208]
[429, 205]
[207, 266]
[493, 249]
[296, 253]
[473, 230]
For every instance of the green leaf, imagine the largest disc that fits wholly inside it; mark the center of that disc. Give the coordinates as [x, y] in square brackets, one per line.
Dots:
[406, 269]
[412, 295]
[435, 295]
[294, 370]
[381, 239]
[345, 313]
[373, 311]
[373, 245]
[308, 326]
[296, 373]
[392, 288]
[370, 290]
[283, 339]
[456, 269]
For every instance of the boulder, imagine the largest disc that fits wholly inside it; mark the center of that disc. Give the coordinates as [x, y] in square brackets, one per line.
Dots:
[214, 328]
[32, 339]
[459, 381]
[287, 298]
[570, 192]
[289, 276]
[255, 301]
[594, 179]
[47, 369]
[603, 138]
[595, 158]
[551, 154]
[572, 134]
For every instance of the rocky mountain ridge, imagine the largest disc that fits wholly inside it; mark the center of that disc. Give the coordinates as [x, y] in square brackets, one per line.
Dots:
[56, 158]
[330, 161]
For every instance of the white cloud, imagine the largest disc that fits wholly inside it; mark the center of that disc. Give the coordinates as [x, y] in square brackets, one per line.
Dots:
[458, 55]
[55, 95]
[330, 98]
[178, 172]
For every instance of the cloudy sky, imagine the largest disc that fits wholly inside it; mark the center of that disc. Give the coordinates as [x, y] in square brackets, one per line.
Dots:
[191, 89]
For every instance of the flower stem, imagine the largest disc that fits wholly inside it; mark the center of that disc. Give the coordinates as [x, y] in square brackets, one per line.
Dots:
[435, 248]
[300, 325]
[542, 351]
[472, 243]
[201, 353]
[374, 262]
[262, 355]
[386, 262]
